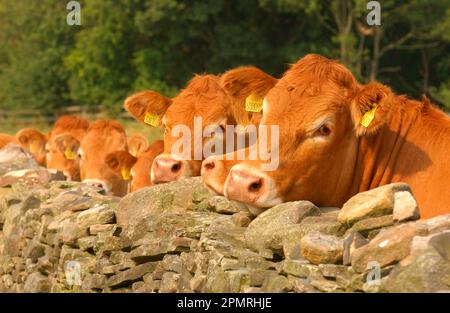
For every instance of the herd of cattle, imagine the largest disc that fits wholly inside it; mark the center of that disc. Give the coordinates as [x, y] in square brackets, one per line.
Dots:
[337, 137]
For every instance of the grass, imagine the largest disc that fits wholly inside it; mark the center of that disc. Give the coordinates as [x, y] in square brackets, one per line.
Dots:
[131, 127]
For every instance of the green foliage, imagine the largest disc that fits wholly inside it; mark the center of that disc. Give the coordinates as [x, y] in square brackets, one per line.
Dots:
[124, 46]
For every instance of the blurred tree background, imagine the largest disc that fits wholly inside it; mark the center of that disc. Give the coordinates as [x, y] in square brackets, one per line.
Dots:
[124, 46]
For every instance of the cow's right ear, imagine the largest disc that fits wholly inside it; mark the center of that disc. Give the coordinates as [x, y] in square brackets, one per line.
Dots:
[121, 162]
[371, 108]
[243, 81]
[137, 144]
[247, 86]
[147, 107]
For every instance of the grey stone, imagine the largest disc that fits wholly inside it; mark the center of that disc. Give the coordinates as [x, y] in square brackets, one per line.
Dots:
[261, 233]
[364, 227]
[36, 282]
[129, 276]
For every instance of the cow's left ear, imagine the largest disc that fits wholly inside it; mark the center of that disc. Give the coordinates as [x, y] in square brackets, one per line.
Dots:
[371, 108]
[147, 107]
[121, 162]
[67, 145]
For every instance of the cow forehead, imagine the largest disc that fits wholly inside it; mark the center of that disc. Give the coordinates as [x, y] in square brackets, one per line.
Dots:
[300, 104]
[183, 111]
[106, 140]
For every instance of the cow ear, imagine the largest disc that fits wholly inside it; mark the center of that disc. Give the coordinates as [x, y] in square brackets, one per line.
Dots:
[371, 108]
[147, 107]
[121, 163]
[247, 86]
[136, 144]
[243, 81]
[67, 145]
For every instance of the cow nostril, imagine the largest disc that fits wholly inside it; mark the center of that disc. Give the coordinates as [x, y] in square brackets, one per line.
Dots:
[255, 186]
[209, 165]
[176, 167]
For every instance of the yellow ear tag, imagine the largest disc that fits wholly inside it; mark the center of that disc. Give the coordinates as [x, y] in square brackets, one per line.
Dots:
[253, 103]
[34, 149]
[126, 175]
[369, 116]
[152, 119]
[69, 155]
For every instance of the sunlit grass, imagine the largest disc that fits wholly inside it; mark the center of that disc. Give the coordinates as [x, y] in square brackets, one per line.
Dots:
[131, 127]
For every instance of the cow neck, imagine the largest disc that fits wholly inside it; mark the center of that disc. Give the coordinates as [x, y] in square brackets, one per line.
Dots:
[379, 154]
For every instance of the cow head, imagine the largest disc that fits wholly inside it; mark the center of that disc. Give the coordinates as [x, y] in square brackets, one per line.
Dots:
[62, 154]
[63, 145]
[321, 113]
[240, 84]
[140, 172]
[34, 141]
[203, 100]
[103, 157]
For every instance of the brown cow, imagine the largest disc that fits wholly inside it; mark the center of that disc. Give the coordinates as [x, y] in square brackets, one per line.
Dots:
[63, 144]
[137, 144]
[140, 172]
[30, 139]
[338, 138]
[35, 142]
[6, 139]
[104, 160]
[218, 101]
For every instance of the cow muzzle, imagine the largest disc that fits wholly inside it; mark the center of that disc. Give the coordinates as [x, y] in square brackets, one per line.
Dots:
[213, 174]
[166, 169]
[250, 186]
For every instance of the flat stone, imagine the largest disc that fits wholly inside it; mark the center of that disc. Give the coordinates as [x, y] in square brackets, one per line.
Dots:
[101, 214]
[131, 275]
[99, 228]
[36, 282]
[277, 284]
[372, 203]
[319, 248]
[388, 247]
[261, 231]
[364, 227]
[326, 285]
[30, 177]
[405, 207]
[175, 196]
[94, 282]
[222, 205]
[427, 272]
[172, 263]
[169, 282]
[299, 268]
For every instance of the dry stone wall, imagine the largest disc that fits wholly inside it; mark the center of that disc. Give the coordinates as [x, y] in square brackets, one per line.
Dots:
[66, 237]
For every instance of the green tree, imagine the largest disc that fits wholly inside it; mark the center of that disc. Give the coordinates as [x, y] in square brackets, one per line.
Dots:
[35, 40]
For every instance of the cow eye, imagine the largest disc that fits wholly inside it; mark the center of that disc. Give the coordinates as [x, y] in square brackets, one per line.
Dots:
[324, 130]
